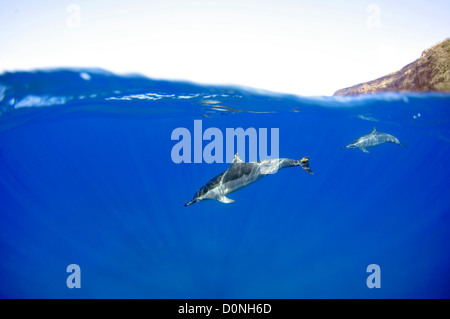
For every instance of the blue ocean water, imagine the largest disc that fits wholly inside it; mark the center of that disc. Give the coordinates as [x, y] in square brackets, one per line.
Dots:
[87, 178]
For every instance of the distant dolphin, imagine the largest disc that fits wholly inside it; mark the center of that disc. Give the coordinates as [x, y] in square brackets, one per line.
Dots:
[373, 139]
[240, 174]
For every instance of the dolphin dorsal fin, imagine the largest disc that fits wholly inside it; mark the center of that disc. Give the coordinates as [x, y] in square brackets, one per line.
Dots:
[374, 130]
[237, 159]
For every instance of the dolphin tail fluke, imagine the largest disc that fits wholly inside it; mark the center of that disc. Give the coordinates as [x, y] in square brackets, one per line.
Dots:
[401, 144]
[304, 163]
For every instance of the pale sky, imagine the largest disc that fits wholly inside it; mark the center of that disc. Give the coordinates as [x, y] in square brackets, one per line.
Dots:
[300, 47]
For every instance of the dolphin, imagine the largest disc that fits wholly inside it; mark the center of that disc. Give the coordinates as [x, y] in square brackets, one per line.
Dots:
[373, 139]
[241, 174]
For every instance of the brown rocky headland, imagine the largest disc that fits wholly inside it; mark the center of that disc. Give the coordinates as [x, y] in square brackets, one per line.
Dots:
[431, 72]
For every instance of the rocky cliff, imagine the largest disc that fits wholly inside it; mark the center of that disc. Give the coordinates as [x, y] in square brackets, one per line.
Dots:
[431, 72]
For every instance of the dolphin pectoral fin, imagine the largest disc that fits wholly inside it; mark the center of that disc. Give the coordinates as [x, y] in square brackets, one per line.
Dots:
[374, 130]
[364, 150]
[224, 199]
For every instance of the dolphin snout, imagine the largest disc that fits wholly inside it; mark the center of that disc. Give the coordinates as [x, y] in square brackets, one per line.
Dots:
[191, 202]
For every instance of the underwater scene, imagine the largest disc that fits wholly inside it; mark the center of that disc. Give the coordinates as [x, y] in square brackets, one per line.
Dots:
[115, 174]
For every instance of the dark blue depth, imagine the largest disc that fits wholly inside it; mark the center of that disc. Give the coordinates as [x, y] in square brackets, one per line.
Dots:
[90, 181]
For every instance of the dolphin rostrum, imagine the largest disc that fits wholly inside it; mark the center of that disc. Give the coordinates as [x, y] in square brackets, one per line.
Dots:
[373, 139]
[241, 174]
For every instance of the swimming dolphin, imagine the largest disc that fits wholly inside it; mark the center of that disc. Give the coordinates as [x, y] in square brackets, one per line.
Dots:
[373, 139]
[240, 174]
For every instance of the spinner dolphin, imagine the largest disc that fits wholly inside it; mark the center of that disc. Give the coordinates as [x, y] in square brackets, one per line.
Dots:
[241, 174]
[373, 139]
